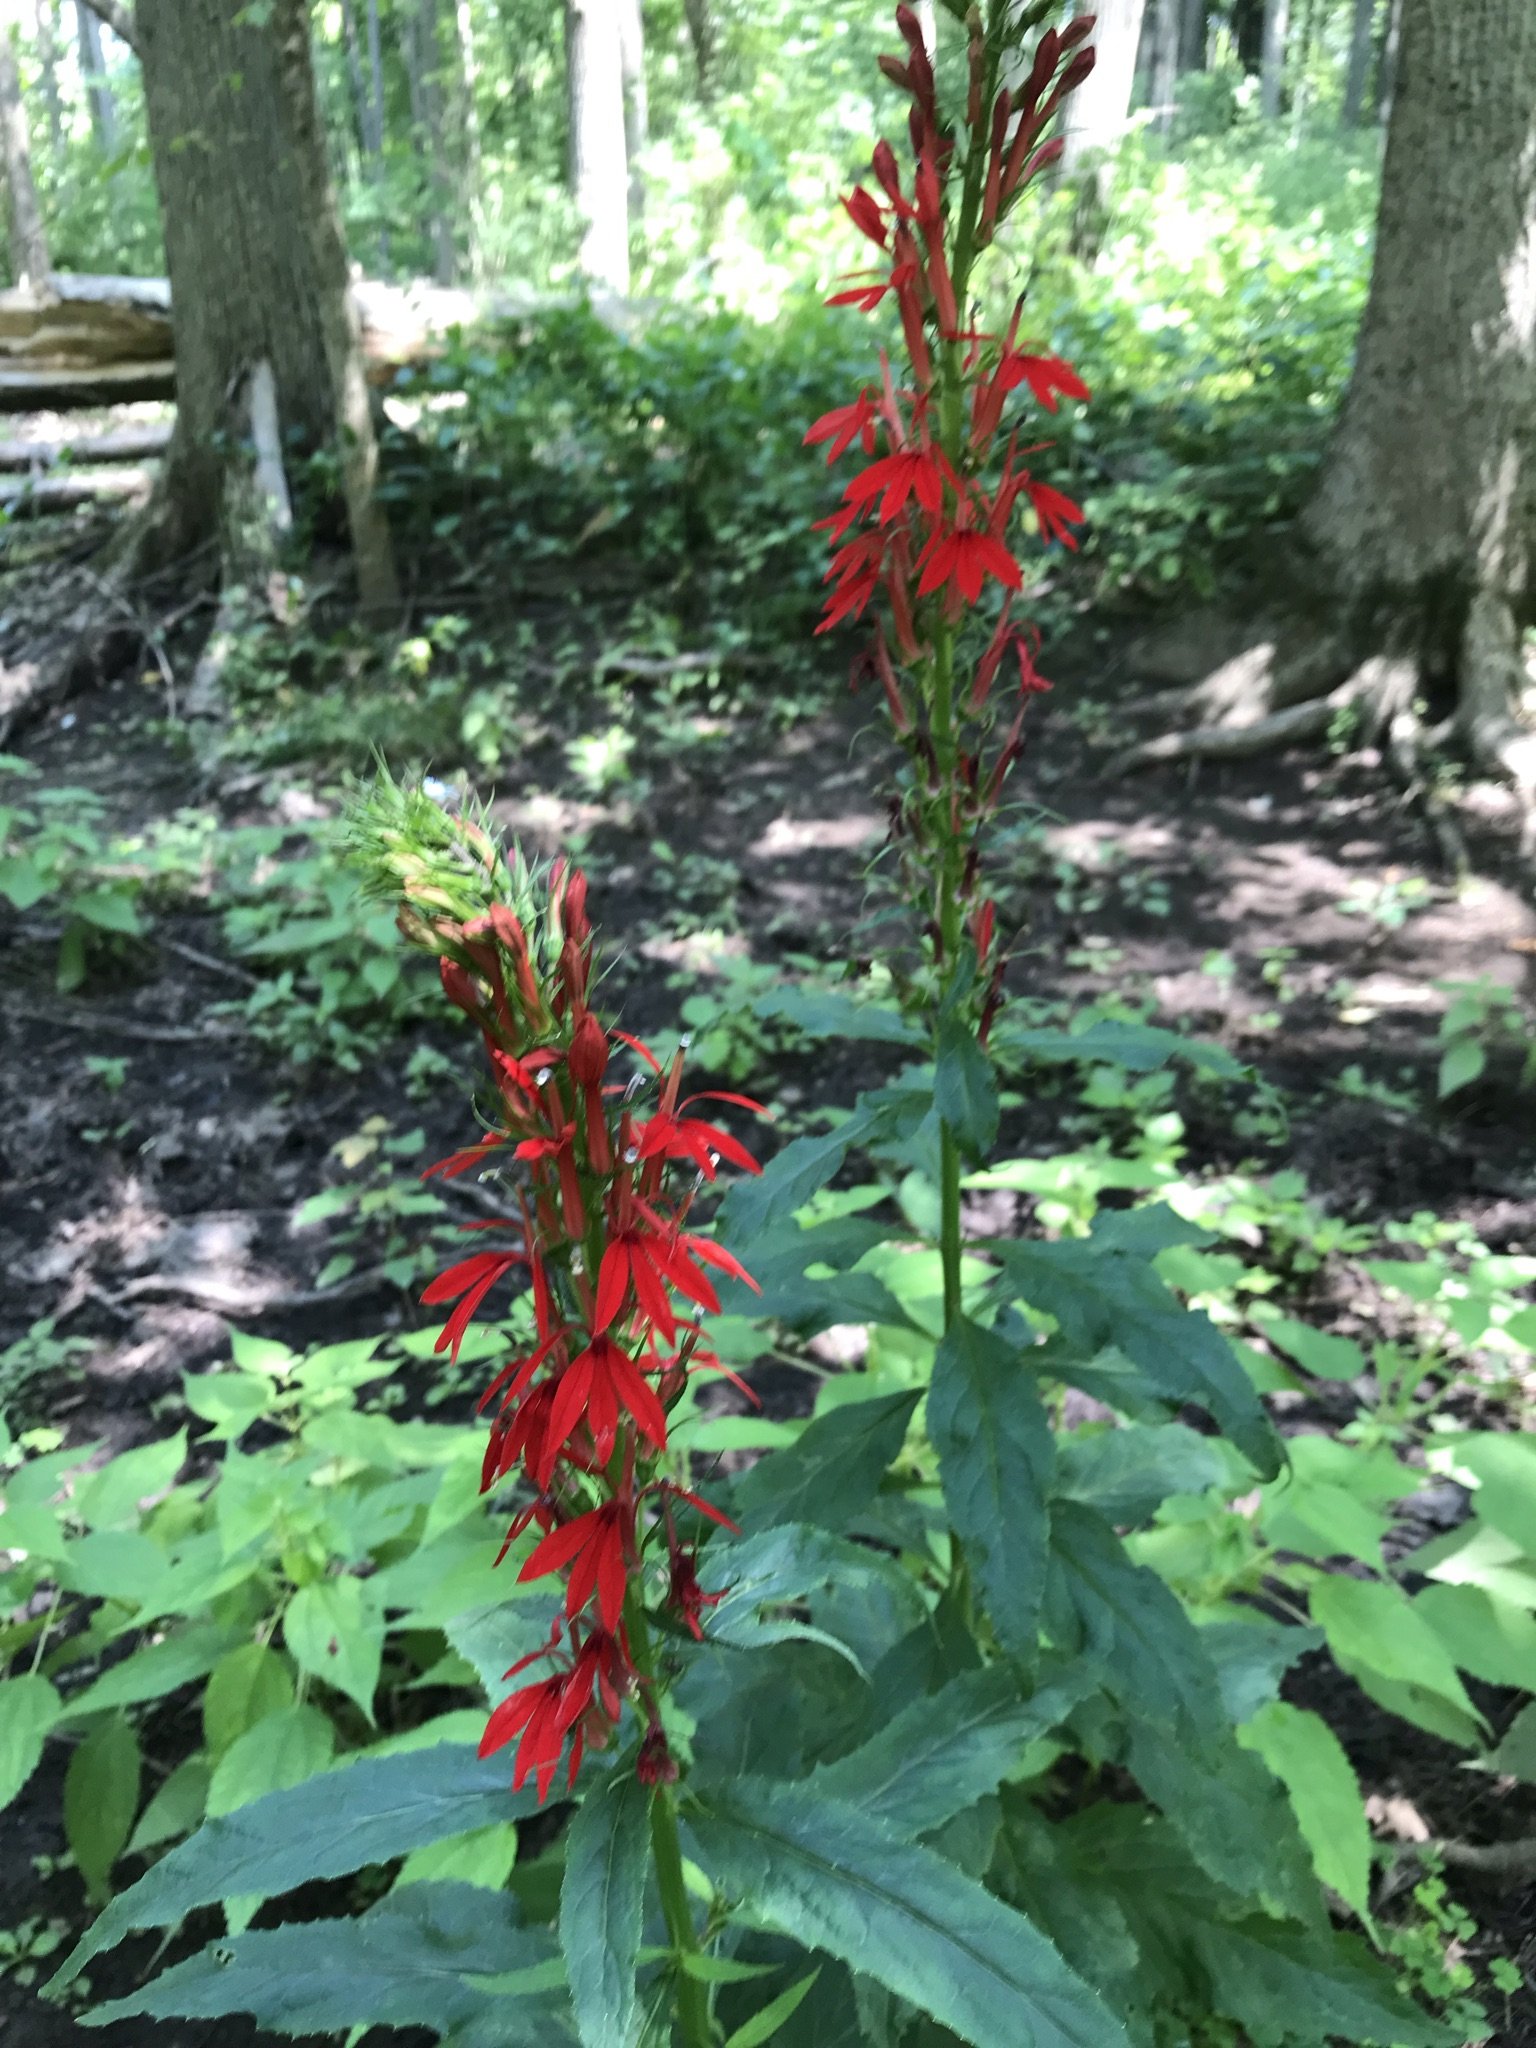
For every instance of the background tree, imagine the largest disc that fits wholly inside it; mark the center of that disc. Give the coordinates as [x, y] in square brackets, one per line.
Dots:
[1362, 49]
[30, 263]
[1413, 567]
[598, 170]
[1098, 113]
[1277, 23]
[93, 70]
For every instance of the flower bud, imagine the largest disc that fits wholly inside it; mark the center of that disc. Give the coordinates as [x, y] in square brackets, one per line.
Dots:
[588, 1059]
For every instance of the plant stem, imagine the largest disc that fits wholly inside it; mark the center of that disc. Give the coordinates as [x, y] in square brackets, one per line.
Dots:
[667, 1854]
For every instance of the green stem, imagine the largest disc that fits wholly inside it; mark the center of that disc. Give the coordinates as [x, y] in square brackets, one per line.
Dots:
[667, 1855]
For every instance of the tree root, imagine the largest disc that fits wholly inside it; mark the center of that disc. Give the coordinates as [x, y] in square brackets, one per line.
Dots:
[1234, 742]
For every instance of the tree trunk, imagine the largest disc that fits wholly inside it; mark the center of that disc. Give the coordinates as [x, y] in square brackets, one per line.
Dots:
[1277, 21]
[422, 56]
[1194, 32]
[1096, 115]
[30, 264]
[706, 46]
[257, 267]
[1362, 43]
[1248, 33]
[599, 172]
[1162, 95]
[375, 81]
[48, 66]
[1386, 66]
[637, 106]
[98, 89]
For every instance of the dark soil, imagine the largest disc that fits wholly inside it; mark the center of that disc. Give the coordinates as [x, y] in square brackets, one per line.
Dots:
[119, 1209]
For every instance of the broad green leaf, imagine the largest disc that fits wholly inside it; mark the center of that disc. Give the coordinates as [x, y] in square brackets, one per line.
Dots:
[1251, 1658]
[996, 1456]
[945, 1751]
[1326, 1357]
[787, 1290]
[285, 1749]
[791, 1177]
[22, 881]
[965, 1088]
[110, 1497]
[833, 1471]
[483, 1857]
[1120, 1042]
[1309, 1760]
[769, 1579]
[1287, 1982]
[1490, 1637]
[1317, 1519]
[1504, 1467]
[1516, 1754]
[231, 1401]
[121, 1565]
[1126, 1474]
[246, 1685]
[1372, 1624]
[775, 2014]
[443, 1956]
[602, 1905]
[360, 1813]
[335, 1631]
[1107, 1296]
[110, 910]
[1460, 1065]
[175, 1809]
[150, 1673]
[101, 1796]
[1131, 1628]
[824, 1013]
[838, 1881]
[29, 1707]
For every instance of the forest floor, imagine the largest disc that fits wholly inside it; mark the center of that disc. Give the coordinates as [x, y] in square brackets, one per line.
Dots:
[155, 1152]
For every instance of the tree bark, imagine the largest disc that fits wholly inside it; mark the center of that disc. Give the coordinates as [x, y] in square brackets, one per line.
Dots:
[703, 37]
[30, 263]
[637, 107]
[1162, 95]
[1096, 116]
[98, 89]
[422, 59]
[1386, 64]
[1277, 22]
[598, 169]
[1194, 32]
[1248, 33]
[257, 269]
[1362, 45]
[48, 67]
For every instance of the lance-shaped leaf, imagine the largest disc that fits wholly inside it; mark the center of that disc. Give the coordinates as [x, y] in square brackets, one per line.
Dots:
[602, 1904]
[837, 1880]
[965, 1088]
[435, 1955]
[996, 1455]
[365, 1812]
[792, 1176]
[833, 1471]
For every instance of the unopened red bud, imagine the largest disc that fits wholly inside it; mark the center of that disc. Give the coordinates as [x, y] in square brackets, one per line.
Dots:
[574, 907]
[656, 1764]
[1078, 31]
[459, 987]
[896, 72]
[587, 1061]
[1077, 71]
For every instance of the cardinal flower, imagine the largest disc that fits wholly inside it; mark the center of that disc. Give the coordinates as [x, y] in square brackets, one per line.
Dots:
[965, 557]
[544, 1713]
[844, 425]
[469, 1282]
[1045, 376]
[1056, 512]
[598, 1386]
[597, 1547]
[911, 473]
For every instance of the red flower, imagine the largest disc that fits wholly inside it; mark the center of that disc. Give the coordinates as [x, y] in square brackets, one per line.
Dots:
[913, 472]
[1045, 376]
[966, 558]
[866, 297]
[471, 1280]
[544, 1713]
[598, 1547]
[685, 1594]
[600, 1384]
[690, 1137]
[468, 1156]
[654, 1258]
[844, 425]
[1055, 511]
[864, 211]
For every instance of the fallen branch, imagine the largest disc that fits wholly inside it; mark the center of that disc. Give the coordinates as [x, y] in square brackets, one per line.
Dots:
[225, 1299]
[132, 444]
[36, 497]
[1235, 742]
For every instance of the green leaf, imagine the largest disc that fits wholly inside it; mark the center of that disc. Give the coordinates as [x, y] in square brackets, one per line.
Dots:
[1126, 1474]
[1324, 1356]
[1460, 1065]
[485, 1857]
[822, 1013]
[285, 1749]
[1106, 1295]
[231, 1401]
[945, 1751]
[29, 1706]
[175, 1809]
[22, 881]
[602, 1904]
[834, 1471]
[101, 1796]
[335, 1631]
[1309, 1760]
[1371, 1624]
[363, 1812]
[785, 1567]
[1504, 1467]
[1284, 1981]
[110, 1497]
[246, 1685]
[1131, 1628]
[996, 1457]
[151, 1673]
[1516, 1754]
[791, 1177]
[965, 1088]
[110, 910]
[1139, 1048]
[835, 1880]
[1490, 1637]
[443, 1956]
[776, 2013]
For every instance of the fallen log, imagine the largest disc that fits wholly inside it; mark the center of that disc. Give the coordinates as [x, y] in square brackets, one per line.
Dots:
[62, 388]
[35, 496]
[131, 444]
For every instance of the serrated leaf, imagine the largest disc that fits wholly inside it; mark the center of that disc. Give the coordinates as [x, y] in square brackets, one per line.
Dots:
[834, 1470]
[363, 1812]
[335, 1631]
[101, 1796]
[1370, 1623]
[150, 1673]
[1460, 1065]
[837, 1881]
[109, 910]
[602, 1903]
[1309, 1760]
[29, 1707]
[996, 1457]
[775, 2014]
[246, 1685]
[175, 1809]
[285, 1749]
[110, 1497]
[965, 1088]
[1126, 1474]
[1139, 1048]
[1281, 1980]
[823, 1013]
[785, 1566]
[791, 1177]
[22, 881]
[440, 1956]
[945, 1751]
[1492, 1638]
[1504, 1466]
[483, 1857]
